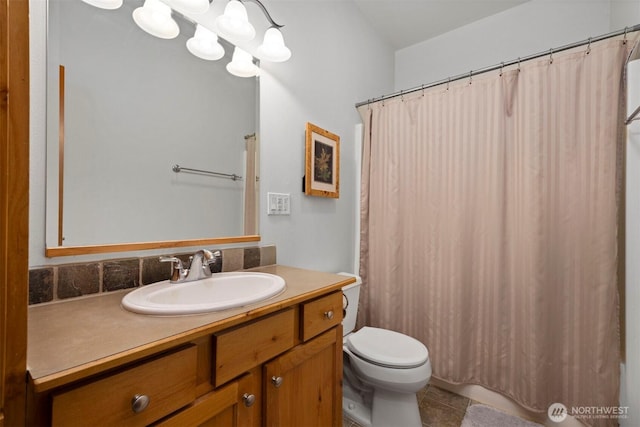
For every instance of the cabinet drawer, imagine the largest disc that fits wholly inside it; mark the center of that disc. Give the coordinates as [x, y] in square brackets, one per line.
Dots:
[240, 349]
[237, 403]
[168, 381]
[205, 409]
[321, 314]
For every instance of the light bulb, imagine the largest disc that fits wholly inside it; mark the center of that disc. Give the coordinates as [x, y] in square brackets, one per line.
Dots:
[241, 64]
[273, 48]
[234, 23]
[154, 17]
[204, 44]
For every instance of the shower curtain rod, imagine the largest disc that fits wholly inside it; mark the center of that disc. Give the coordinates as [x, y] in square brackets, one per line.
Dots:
[472, 73]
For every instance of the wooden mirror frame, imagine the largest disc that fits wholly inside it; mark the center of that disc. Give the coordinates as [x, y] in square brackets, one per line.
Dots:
[59, 251]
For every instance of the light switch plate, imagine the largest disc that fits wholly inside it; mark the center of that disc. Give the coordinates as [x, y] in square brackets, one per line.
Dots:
[278, 204]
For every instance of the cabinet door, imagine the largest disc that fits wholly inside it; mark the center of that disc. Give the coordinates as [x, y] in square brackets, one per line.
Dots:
[303, 387]
[237, 404]
[249, 407]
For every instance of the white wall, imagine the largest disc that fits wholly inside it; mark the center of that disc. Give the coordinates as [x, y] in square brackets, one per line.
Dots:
[624, 13]
[37, 130]
[337, 61]
[532, 27]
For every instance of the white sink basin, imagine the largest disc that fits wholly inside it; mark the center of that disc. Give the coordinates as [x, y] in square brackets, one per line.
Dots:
[218, 292]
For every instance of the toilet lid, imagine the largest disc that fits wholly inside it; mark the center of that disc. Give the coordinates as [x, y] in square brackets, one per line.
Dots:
[387, 348]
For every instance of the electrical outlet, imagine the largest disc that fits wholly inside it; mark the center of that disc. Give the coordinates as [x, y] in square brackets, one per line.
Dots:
[278, 204]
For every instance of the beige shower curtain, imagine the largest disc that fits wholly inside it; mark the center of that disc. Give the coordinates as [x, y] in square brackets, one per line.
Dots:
[489, 226]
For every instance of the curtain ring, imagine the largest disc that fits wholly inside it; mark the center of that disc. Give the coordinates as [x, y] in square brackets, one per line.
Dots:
[501, 68]
[624, 41]
[423, 90]
[401, 96]
[518, 64]
[448, 81]
[471, 77]
[550, 56]
[589, 47]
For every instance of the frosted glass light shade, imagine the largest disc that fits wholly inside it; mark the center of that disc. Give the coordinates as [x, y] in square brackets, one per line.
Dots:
[234, 23]
[154, 17]
[273, 48]
[204, 44]
[105, 4]
[241, 64]
[192, 6]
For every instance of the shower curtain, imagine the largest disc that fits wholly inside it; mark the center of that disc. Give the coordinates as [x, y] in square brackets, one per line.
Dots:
[489, 226]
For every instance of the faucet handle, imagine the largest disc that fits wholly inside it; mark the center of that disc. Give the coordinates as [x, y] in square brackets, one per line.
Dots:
[215, 261]
[216, 256]
[178, 272]
[208, 257]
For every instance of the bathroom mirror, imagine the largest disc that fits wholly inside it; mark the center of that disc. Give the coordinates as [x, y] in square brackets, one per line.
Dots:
[124, 107]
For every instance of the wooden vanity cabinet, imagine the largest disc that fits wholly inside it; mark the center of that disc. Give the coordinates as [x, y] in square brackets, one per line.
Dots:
[303, 387]
[282, 369]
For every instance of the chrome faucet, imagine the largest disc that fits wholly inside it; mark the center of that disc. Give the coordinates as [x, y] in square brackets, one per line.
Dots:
[198, 267]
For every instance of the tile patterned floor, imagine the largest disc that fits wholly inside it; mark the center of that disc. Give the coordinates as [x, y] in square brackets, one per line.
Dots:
[438, 408]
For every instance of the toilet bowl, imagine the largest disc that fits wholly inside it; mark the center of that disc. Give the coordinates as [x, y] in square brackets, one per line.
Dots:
[383, 371]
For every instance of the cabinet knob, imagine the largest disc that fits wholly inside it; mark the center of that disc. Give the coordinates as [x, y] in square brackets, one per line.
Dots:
[328, 314]
[277, 381]
[249, 399]
[139, 403]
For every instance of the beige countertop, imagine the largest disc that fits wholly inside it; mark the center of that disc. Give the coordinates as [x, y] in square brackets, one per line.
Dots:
[73, 339]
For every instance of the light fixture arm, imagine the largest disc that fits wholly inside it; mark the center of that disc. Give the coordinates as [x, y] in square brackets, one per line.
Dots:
[265, 11]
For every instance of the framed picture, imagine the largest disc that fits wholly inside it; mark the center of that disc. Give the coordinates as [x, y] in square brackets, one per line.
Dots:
[322, 166]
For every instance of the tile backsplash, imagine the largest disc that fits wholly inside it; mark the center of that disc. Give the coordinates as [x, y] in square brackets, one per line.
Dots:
[60, 282]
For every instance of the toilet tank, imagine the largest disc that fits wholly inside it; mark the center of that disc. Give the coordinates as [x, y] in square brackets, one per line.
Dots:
[352, 296]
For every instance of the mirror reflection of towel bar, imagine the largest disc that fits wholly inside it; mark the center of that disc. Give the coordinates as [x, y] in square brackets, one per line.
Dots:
[231, 176]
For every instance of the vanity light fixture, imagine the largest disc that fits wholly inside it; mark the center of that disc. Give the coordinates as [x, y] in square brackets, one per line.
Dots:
[242, 65]
[154, 17]
[234, 23]
[105, 4]
[272, 48]
[204, 44]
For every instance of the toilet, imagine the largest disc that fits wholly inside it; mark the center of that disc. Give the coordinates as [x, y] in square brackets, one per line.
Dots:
[383, 371]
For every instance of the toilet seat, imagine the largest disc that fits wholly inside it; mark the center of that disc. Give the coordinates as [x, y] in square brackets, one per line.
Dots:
[387, 348]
